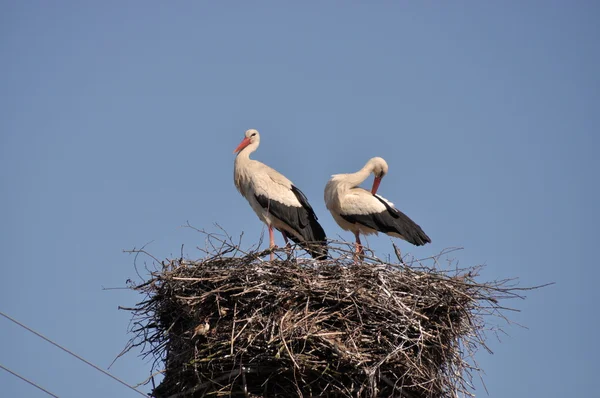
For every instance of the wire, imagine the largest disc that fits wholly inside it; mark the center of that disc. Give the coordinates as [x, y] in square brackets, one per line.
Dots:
[72, 353]
[28, 381]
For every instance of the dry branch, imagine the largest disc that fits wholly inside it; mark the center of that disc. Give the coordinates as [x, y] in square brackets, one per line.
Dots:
[231, 325]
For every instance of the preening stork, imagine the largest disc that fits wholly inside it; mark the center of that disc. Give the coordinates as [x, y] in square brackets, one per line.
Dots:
[357, 210]
[276, 201]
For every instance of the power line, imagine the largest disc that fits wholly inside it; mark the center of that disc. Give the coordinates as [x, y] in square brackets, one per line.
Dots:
[72, 353]
[28, 381]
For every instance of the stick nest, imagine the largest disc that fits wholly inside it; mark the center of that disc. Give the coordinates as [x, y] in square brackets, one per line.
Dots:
[233, 324]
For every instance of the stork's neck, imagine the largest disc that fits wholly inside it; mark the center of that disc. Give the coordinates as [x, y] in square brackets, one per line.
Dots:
[355, 179]
[241, 168]
[243, 156]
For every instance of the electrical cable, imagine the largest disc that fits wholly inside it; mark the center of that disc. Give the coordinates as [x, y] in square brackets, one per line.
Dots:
[28, 381]
[72, 353]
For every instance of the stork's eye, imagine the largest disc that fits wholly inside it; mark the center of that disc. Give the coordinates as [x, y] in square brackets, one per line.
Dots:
[253, 134]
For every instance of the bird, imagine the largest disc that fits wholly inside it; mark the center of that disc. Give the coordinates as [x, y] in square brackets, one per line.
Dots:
[276, 200]
[362, 212]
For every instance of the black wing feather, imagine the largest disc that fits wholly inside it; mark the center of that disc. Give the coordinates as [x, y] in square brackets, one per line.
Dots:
[302, 219]
[391, 220]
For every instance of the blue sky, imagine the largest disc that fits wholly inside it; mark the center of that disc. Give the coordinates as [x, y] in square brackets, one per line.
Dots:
[118, 121]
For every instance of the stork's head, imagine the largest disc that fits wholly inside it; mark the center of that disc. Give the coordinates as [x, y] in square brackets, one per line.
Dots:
[250, 137]
[379, 168]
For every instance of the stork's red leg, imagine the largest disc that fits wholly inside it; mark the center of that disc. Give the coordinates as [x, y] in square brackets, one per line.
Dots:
[271, 241]
[359, 249]
[358, 244]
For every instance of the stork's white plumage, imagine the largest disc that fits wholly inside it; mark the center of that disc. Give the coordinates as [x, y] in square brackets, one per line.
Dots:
[362, 212]
[276, 201]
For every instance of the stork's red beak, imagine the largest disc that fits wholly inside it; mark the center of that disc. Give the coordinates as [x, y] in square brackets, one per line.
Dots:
[376, 183]
[245, 142]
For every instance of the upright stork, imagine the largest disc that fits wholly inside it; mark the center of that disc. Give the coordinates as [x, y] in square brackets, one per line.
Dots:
[357, 210]
[276, 201]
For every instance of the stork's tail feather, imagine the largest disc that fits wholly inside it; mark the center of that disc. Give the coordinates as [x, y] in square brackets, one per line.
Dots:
[314, 240]
[317, 249]
[418, 237]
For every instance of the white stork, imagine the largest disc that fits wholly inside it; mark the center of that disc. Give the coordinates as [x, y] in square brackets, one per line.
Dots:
[276, 201]
[357, 210]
